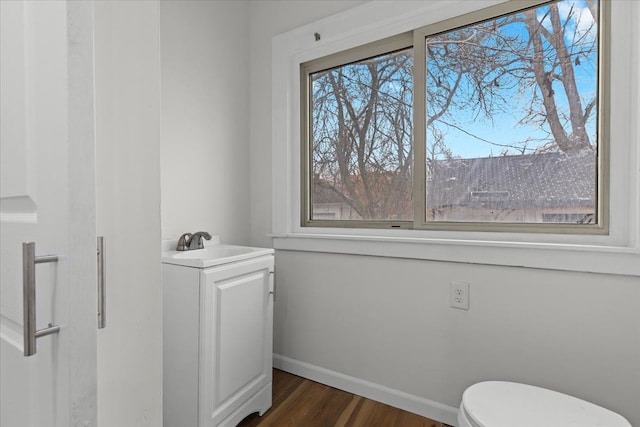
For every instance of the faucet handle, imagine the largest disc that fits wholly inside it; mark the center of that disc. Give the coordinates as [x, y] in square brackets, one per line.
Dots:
[184, 241]
[196, 239]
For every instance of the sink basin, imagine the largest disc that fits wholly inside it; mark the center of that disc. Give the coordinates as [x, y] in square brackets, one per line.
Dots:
[213, 255]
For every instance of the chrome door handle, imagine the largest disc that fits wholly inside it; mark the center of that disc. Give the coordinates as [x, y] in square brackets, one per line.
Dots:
[29, 261]
[102, 320]
[272, 290]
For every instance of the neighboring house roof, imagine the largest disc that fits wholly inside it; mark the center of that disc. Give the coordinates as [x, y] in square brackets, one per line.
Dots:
[324, 193]
[546, 180]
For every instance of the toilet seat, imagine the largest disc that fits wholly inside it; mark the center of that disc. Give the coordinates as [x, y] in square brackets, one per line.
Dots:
[507, 404]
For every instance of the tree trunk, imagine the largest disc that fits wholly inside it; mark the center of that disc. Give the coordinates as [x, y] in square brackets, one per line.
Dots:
[544, 81]
[579, 136]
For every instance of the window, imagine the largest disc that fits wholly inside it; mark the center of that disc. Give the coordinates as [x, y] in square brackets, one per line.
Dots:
[490, 121]
[360, 131]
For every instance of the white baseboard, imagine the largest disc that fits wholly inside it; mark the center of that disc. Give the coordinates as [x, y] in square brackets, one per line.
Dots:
[399, 399]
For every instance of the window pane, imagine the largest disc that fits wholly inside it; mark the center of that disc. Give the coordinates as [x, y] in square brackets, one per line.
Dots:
[361, 140]
[512, 118]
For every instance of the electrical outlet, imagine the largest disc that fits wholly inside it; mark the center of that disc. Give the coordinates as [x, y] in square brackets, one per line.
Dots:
[459, 295]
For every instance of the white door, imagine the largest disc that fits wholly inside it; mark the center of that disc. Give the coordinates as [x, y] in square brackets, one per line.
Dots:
[47, 195]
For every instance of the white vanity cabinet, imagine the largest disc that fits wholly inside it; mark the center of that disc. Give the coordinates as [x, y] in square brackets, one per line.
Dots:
[217, 348]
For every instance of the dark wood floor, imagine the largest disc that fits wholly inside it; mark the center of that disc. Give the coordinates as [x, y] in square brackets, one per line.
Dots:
[298, 402]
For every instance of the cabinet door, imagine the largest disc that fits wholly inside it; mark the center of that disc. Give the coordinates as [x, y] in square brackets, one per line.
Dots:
[236, 335]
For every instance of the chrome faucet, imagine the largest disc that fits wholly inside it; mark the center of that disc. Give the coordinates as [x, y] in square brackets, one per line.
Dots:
[189, 242]
[196, 240]
[183, 242]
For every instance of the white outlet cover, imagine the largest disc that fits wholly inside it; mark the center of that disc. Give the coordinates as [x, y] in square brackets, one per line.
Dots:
[459, 295]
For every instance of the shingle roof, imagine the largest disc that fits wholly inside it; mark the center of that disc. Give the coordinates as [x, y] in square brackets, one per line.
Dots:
[323, 193]
[512, 182]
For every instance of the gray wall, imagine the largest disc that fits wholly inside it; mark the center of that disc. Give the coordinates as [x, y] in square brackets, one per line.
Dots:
[387, 320]
[205, 110]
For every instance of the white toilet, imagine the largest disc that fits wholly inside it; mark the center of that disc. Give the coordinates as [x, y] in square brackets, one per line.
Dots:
[507, 404]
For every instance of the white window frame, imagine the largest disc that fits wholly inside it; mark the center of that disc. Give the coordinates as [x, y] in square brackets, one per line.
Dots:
[615, 253]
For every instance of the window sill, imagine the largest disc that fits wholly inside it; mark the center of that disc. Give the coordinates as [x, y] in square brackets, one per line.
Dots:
[552, 256]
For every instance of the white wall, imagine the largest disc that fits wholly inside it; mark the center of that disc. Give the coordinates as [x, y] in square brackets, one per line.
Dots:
[128, 211]
[205, 110]
[387, 320]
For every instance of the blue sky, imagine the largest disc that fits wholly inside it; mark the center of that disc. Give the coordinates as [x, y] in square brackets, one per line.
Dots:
[505, 129]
